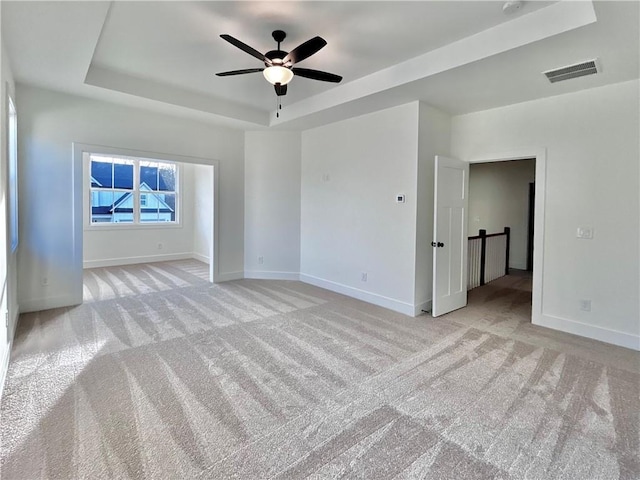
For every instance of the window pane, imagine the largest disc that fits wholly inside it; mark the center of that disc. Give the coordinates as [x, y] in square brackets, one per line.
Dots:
[158, 207]
[123, 175]
[101, 172]
[123, 207]
[167, 177]
[148, 176]
[169, 212]
[111, 206]
[101, 206]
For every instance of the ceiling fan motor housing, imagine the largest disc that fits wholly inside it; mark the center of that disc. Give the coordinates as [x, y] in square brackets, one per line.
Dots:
[275, 55]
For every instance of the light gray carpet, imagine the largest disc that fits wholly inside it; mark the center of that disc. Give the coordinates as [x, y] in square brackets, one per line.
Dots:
[161, 375]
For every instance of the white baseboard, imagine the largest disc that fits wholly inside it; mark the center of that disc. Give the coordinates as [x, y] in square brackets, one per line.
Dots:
[47, 303]
[380, 300]
[201, 258]
[229, 276]
[4, 367]
[114, 262]
[4, 362]
[262, 275]
[606, 335]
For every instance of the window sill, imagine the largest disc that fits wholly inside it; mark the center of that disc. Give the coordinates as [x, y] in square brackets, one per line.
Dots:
[115, 227]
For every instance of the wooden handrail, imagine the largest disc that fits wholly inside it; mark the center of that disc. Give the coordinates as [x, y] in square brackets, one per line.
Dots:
[488, 235]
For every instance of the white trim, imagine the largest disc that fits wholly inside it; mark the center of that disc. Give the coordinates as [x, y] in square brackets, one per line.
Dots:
[258, 275]
[374, 298]
[14, 327]
[114, 262]
[200, 257]
[4, 367]
[47, 303]
[594, 332]
[227, 277]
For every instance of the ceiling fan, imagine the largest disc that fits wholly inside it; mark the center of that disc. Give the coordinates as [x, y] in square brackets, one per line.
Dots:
[278, 64]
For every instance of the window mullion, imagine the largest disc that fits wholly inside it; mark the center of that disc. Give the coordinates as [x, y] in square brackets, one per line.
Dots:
[136, 192]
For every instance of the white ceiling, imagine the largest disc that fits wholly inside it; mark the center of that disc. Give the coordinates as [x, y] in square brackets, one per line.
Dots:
[458, 56]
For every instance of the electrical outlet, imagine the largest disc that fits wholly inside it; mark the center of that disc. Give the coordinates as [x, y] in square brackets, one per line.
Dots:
[160, 245]
[364, 277]
[260, 260]
[585, 305]
[6, 319]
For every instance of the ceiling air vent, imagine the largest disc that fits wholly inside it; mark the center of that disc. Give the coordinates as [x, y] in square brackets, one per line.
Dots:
[573, 71]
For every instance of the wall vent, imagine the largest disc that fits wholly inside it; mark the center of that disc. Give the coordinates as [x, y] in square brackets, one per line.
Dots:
[590, 67]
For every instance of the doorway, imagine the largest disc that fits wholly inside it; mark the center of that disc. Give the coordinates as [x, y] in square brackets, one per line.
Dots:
[535, 218]
[499, 197]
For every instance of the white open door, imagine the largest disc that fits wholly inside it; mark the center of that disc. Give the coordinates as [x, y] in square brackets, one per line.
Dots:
[450, 235]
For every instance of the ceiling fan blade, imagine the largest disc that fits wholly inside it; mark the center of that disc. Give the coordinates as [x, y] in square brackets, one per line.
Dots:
[304, 50]
[245, 48]
[317, 75]
[281, 90]
[239, 72]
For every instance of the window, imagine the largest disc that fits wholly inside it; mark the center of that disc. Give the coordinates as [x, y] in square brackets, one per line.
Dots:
[126, 190]
[12, 141]
[159, 178]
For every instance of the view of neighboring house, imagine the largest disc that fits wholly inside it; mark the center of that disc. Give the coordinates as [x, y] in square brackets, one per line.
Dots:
[118, 185]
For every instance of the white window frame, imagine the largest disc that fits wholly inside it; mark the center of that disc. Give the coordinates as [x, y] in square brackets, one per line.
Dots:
[12, 169]
[136, 224]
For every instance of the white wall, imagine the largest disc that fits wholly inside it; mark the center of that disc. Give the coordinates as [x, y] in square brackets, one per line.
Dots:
[272, 204]
[124, 244]
[202, 212]
[8, 273]
[592, 179]
[498, 198]
[351, 223]
[434, 139]
[49, 123]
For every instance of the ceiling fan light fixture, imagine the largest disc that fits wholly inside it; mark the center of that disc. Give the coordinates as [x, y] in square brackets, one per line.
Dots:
[277, 74]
